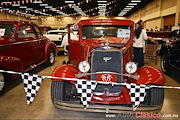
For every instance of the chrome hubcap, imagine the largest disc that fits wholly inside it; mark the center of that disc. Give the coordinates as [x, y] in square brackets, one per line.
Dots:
[51, 57]
[1, 81]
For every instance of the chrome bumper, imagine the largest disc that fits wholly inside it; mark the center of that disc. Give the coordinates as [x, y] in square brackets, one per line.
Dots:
[105, 108]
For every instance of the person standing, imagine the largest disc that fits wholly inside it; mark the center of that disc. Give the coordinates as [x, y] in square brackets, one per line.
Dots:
[139, 43]
[65, 43]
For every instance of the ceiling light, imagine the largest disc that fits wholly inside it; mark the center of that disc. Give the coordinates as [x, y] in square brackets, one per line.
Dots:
[29, 8]
[132, 4]
[5, 8]
[55, 10]
[15, 4]
[48, 7]
[102, 1]
[77, 8]
[102, 4]
[122, 13]
[43, 4]
[37, 2]
[135, 0]
[23, 7]
[127, 8]
[69, 1]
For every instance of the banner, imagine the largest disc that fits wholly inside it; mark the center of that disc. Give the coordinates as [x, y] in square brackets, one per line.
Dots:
[84, 87]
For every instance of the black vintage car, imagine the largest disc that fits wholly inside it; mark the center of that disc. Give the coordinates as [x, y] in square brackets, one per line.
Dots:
[170, 53]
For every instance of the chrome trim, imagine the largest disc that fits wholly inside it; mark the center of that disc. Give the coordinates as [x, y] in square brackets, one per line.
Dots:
[24, 42]
[136, 77]
[105, 108]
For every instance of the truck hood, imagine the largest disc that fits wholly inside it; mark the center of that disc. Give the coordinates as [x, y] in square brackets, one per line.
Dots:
[100, 42]
[90, 44]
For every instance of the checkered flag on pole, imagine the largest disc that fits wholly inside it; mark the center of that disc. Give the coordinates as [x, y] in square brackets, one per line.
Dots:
[85, 88]
[32, 84]
[137, 93]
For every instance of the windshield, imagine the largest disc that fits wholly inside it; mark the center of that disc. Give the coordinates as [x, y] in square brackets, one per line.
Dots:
[7, 30]
[97, 31]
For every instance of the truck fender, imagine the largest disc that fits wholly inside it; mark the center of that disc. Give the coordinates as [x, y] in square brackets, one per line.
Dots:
[64, 71]
[150, 75]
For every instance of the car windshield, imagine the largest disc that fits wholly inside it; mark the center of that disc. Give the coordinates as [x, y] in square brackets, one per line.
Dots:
[97, 31]
[7, 30]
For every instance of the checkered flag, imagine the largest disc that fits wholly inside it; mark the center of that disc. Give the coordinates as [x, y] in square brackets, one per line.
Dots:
[137, 93]
[32, 84]
[85, 88]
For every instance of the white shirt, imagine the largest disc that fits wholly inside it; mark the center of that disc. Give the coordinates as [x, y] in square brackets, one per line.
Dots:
[65, 39]
[140, 42]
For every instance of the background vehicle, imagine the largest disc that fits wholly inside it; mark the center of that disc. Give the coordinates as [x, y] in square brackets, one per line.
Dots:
[56, 36]
[170, 53]
[22, 47]
[104, 53]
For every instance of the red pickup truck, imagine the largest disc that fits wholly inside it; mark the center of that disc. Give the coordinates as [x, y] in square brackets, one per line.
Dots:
[103, 53]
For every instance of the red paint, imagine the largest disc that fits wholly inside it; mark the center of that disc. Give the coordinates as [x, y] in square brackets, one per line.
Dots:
[82, 49]
[23, 53]
[64, 71]
[150, 75]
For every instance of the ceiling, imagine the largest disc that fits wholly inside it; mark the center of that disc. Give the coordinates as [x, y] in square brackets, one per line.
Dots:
[60, 8]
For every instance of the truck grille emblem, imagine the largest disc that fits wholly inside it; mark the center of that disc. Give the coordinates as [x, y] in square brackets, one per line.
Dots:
[106, 77]
[107, 58]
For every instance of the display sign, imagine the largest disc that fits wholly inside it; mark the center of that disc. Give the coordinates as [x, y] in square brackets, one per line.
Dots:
[124, 33]
[2, 31]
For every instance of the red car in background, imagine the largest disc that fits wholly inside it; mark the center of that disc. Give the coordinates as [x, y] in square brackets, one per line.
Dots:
[103, 53]
[22, 47]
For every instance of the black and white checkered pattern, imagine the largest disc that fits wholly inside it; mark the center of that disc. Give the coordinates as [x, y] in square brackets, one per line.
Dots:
[137, 93]
[85, 88]
[32, 84]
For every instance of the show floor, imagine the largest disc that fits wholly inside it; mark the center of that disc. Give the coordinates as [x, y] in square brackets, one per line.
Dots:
[13, 103]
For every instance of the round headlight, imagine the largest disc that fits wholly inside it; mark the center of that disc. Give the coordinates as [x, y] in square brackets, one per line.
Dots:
[131, 67]
[84, 66]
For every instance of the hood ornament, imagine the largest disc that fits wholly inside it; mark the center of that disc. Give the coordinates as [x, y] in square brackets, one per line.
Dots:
[107, 58]
[107, 43]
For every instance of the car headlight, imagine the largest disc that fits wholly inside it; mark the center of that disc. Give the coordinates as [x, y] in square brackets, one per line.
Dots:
[131, 67]
[84, 66]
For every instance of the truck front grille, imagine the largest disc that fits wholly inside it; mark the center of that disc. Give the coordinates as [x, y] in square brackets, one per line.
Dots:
[110, 60]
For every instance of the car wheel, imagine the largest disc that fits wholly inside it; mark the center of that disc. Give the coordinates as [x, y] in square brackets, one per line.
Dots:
[154, 97]
[165, 66]
[51, 58]
[61, 91]
[4, 81]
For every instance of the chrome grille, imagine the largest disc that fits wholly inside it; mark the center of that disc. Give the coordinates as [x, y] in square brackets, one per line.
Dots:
[109, 60]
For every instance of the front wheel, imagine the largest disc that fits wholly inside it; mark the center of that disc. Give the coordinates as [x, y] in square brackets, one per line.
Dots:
[165, 65]
[51, 58]
[4, 81]
[61, 91]
[154, 97]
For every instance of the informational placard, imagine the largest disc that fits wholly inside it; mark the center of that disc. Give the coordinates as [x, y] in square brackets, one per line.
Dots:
[2, 32]
[124, 33]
